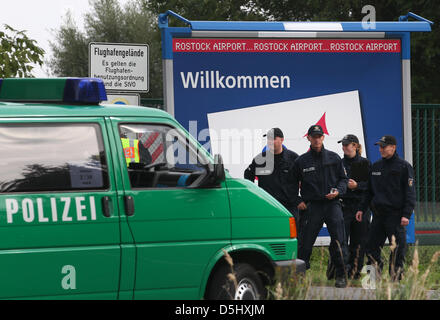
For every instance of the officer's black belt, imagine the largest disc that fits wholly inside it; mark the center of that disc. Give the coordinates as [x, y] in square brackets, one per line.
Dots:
[381, 210]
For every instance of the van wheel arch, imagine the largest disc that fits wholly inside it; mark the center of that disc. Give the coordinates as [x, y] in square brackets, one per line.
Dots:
[258, 260]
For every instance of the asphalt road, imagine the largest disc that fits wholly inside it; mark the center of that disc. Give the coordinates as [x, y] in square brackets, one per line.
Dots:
[331, 293]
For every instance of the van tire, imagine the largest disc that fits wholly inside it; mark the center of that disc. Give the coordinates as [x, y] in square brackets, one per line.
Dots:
[249, 284]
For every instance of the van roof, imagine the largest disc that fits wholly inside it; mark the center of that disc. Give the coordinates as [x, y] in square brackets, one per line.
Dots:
[62, 97]
[13, 109]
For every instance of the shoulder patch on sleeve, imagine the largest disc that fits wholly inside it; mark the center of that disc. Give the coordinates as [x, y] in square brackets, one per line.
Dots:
[410, 182]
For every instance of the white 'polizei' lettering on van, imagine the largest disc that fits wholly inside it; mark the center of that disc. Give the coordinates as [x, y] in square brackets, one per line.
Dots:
[41, 217]
[66, 217]
[34, 209]
[53, 205]
[214, 80]
[92, 208]
[79, 208]
[11, 209]
[28, 210]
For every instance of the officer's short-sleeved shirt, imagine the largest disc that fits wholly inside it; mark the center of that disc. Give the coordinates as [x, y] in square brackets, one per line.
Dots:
[391, 186]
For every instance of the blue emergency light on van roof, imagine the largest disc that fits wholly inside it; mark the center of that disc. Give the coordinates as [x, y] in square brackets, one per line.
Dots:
[59, 90]
[89, 90]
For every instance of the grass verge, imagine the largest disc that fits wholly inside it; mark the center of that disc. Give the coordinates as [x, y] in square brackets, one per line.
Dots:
[422, 273]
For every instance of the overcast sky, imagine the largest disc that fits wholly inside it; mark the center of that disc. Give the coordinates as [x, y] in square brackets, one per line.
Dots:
[40, 18]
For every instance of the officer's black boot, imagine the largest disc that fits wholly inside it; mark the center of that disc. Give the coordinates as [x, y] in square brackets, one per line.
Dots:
[341, 282]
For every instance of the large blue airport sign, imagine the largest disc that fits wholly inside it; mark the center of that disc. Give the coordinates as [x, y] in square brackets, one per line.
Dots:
[228, 83]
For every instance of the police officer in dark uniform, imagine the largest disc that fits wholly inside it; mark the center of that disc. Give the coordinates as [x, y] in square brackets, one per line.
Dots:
[322, 179]
[273, 168]
[356, 232]
[392, 196]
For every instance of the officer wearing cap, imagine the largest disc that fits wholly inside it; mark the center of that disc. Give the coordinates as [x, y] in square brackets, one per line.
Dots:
[323, 180]
[273, 168]
[391, 193]
[356, 232]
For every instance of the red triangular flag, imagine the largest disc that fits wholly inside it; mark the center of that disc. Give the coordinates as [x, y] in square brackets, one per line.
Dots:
[323, 125]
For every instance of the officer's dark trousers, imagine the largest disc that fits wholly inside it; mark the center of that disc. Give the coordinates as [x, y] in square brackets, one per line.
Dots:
[318, 213]
[300, 225]
[293, 211]
[297, 214]
[356, 235]
[383, 226]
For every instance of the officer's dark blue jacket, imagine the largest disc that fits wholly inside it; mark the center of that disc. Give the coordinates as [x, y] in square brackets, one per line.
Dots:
[391, 187]
[318, 173]
[279, 183]
[358, 193]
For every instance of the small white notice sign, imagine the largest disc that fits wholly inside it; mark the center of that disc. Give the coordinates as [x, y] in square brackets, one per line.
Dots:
[85, 175]
[122, 67]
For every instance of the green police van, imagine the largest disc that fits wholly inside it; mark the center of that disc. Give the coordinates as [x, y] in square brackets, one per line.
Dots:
[121, 202]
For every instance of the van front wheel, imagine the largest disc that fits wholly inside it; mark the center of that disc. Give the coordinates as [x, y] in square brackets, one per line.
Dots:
[244, 284]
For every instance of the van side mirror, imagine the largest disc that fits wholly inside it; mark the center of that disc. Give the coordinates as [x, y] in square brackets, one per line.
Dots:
[219, 169]
[213, 176]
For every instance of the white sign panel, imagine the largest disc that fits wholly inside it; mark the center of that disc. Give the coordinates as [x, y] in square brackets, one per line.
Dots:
[122, 67]
[123, 99]
[238, 134]
[85, 175]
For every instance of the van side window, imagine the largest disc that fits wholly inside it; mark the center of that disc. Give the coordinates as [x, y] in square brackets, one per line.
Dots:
[159, 156]
[52, 157]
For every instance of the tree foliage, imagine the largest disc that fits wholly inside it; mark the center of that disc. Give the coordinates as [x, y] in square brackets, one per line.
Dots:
[18, 53]
[137, 23]
[70, 53]
[210, 10]
[425, 60]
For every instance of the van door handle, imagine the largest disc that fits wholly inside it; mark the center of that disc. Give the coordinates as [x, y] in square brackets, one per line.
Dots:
[106, 206]
[129, 206]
